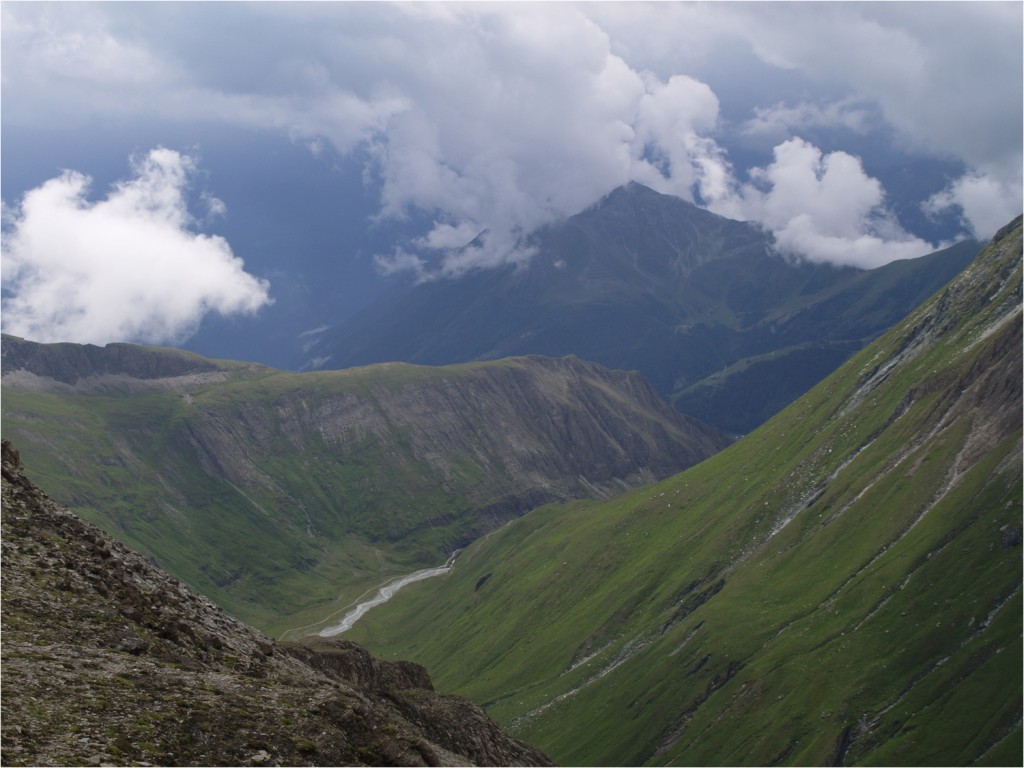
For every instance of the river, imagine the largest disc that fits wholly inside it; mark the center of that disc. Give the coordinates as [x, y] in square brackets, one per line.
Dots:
[385, 593]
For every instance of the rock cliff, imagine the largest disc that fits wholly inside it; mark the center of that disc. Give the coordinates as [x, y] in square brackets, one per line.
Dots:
[107, 660]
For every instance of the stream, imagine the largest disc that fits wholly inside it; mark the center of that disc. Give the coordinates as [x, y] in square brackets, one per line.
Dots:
[385, 593]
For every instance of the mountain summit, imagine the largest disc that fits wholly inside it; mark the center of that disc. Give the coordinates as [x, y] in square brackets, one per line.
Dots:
[699, 304]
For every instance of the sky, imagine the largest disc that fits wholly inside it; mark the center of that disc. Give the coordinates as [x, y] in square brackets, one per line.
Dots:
[232, 175]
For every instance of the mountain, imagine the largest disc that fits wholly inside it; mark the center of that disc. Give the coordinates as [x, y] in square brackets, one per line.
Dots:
[278, 493]
[107, 660]
[697, 303]
[840, 587]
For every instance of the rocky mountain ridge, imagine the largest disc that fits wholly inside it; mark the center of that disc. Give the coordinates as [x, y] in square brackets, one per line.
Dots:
[243, 480]
[74, 364]
[107, 660]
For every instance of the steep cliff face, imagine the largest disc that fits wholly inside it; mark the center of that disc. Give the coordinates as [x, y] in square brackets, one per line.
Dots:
[108, 660]
[551, 428]
[257, 485]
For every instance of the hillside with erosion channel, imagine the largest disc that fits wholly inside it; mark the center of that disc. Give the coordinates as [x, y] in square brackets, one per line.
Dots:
[840, 587]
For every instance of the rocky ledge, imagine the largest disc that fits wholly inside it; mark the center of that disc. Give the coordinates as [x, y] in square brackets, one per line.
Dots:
[109, 661]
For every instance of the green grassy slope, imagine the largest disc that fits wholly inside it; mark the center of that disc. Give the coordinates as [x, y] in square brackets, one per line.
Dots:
[842, 586]
[127, 464]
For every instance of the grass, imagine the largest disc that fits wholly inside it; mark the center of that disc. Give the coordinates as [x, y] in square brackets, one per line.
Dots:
[247, 548]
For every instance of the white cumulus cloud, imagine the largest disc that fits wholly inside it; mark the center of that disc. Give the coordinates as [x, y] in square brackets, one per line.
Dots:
[986, 202]
[125, 268]
[781, 120]
[823, 207]
[522, 116]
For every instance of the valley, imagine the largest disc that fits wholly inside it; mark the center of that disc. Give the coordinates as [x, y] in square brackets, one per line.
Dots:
[284, 496]
[384, 593]
[631, 586]
[456, 384]
[842, 586]
[108, 660]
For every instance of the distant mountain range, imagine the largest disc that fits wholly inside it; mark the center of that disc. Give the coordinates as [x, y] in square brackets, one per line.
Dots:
[699, 304]
[276, 493]
[841, 587]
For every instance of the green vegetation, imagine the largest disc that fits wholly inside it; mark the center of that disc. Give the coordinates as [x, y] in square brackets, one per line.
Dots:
[842, 586]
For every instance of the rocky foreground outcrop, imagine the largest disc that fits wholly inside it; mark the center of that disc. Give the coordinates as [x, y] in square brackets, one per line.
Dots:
[108, 660]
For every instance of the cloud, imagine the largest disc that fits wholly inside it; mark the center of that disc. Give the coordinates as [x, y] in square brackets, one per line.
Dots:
[399, 261]
[522, 116]
[779, 121]
[526, 117]
[125, 268]
[940, 74]
[488, 120]
[491, 120]
[944, 78]
[822, 207]
[672, 123]
[947, 79]
[985, 202]
[78, 62]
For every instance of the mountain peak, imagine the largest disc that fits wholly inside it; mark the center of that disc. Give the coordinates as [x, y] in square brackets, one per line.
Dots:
[653, 221]
[694, 301]
[634, 192]
[636, 188]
